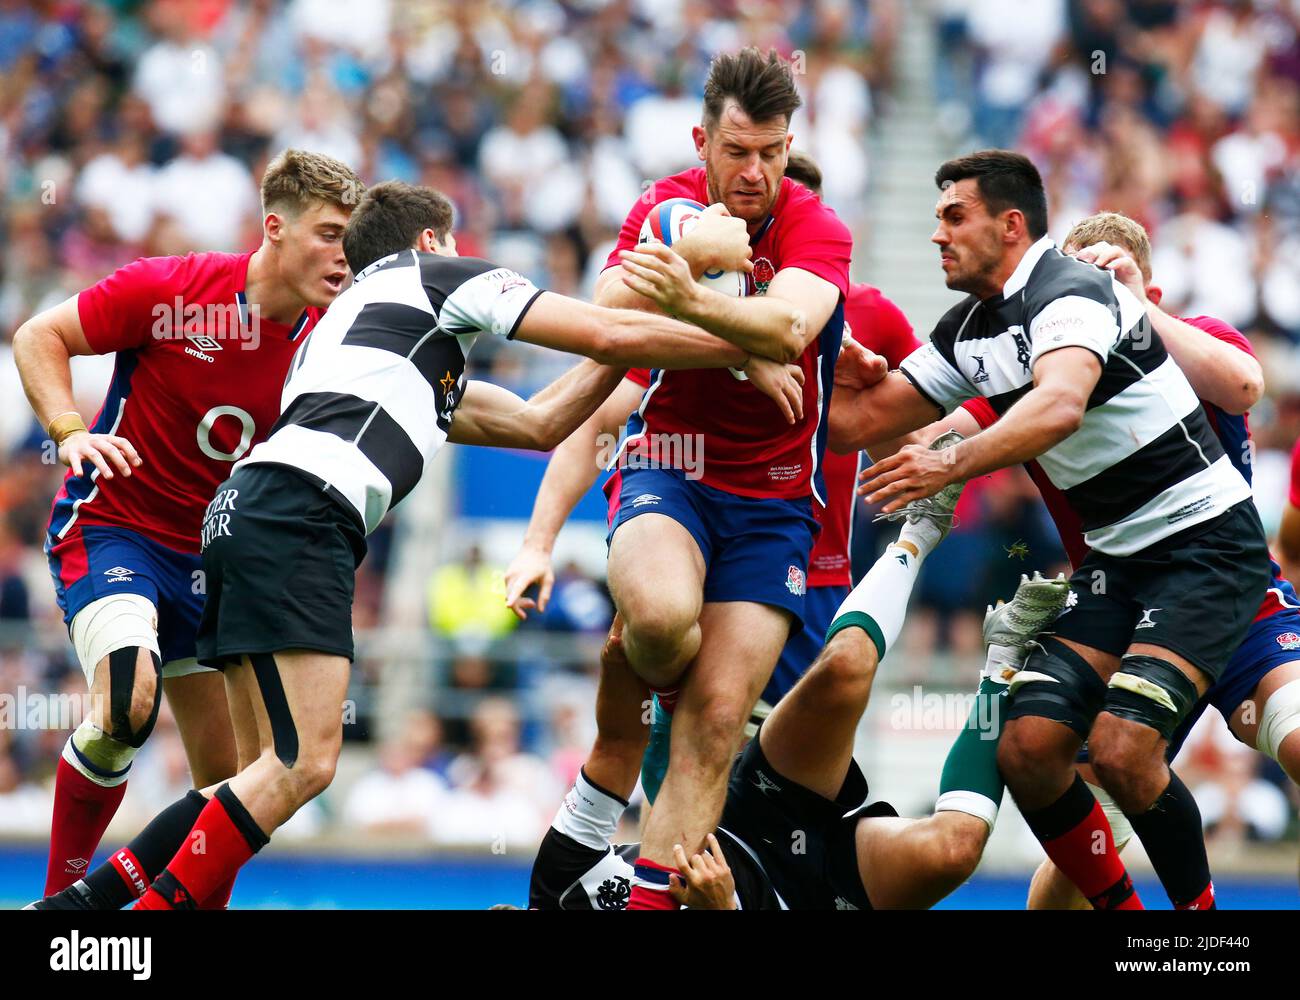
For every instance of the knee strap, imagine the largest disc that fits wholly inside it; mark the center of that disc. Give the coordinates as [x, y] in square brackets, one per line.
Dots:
[283, 732]
[1057, 683]
[121, 687]
[1152, 692]
[1279, 719]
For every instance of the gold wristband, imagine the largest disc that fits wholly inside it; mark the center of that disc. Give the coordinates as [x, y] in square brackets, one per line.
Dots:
[65, 425]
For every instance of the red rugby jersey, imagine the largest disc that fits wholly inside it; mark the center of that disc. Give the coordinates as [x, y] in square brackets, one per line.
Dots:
[879, 325]
[1294, 496]
[196, 384]
[748, 448]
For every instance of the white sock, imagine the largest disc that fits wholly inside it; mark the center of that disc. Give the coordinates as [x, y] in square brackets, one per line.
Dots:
[878, 603]
[1001, 663]
[924, 534]
[589, 814]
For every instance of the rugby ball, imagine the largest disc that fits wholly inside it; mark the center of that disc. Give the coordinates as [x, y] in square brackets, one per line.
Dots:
[671, 220]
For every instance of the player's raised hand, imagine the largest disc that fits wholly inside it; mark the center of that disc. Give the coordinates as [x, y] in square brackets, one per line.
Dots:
[781, 383]
[530, 566]
[1120, 261]
[718, 242]
[661, 274]
[105, 451]
[857, 367]
[708, 883]
[911, 473]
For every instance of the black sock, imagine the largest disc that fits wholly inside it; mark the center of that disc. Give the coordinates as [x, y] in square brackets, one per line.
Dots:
[1170, 832]
[112, 885]
[561, 861]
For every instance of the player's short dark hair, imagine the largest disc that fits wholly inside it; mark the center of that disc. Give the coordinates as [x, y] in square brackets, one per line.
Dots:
[390, 219]
[802, 169]
[762, 85]
[1005, 180]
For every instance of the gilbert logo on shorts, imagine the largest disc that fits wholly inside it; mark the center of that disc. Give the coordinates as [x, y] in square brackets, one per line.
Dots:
[119, 574]
[1146, 621]
[796, 582]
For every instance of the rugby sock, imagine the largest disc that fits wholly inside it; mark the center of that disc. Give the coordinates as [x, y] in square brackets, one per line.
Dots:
[220, 899]
[223, 839]
[579, 837]
[589, 814]
[878, 603]
[84, 805]
[1076, 836]
[128, 872]
[971, 782]
[650, 887]
[667, 696]
[1170, 832]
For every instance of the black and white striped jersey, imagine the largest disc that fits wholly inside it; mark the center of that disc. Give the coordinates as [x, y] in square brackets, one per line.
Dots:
[372, 393]
[1145, 463]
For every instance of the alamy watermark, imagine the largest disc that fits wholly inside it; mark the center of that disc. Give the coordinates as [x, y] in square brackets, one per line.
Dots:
[654, 451]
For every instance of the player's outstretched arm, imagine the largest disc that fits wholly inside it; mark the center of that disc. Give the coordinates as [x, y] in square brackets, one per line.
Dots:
[1049, 413]
[862, 418]
[43, 349]
[778, 325]
[494, 417]
[570, 473]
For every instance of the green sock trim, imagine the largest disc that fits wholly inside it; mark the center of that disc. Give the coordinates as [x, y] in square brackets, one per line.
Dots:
[862, 620]
[972, 763]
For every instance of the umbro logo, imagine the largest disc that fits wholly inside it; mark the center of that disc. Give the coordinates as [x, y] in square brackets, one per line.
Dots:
[1146, 621]
[202, 344]
[77, 864]
[119, 574]
[644, 499]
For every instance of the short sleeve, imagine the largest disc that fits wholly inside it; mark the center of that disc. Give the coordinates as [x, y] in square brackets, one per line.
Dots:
[491, 302]
[982, 410]
[121, 311]
[814, 239]
[1073, 321]
[641, 376]
[1220, 330]
[936, 378]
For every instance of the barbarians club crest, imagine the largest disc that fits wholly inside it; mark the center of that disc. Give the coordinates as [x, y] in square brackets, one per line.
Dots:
[762, 274]
[1289, 640]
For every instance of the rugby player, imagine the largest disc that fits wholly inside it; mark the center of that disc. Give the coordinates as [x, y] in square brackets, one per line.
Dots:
[797, 830]
[713, 572]
[202, 345]
[1259, 692]
[870, 319]
[1178, 562]
[1288, 532]
[369, 401]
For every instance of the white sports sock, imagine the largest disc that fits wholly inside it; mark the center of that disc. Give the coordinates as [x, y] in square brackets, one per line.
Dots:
[924, 534]
[589, 814]
[881, 596]
[1001, 663]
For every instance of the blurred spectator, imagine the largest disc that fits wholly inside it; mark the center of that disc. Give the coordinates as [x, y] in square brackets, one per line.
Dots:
[209, 195]
[467, 600]
[24, 806]
[501, 797]
[401, 796]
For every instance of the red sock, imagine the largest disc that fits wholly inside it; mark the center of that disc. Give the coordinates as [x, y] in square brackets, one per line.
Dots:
[223, 839]
[82, 811]
[667, 697]
[219, 900]
[1205, 901]
[1076, 835]
[645, 892]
